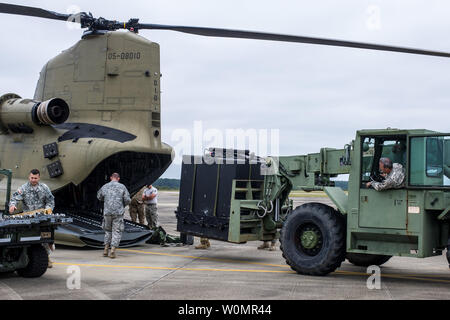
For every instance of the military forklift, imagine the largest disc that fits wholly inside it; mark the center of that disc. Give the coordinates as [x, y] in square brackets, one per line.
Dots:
[235, 196]
[22, 236]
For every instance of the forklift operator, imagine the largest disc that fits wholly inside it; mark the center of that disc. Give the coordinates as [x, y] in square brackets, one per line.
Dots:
[393, 174]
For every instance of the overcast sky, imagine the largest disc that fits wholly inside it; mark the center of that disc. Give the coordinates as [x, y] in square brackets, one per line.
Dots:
[316, 96]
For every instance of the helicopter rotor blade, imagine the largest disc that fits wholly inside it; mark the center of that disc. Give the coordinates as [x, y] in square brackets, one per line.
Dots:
[240, 34]
[32, 12]
[104, 24]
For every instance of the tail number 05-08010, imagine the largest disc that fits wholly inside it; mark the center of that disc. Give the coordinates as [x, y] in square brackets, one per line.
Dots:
[124, 56]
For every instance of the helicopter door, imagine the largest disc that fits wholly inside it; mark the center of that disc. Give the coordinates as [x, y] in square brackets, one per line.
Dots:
[386, 208]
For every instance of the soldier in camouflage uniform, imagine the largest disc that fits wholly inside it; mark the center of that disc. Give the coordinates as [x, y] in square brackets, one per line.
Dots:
[394, 175]
[34, 195]
[116, 197]
[149, 197]
[137, 207]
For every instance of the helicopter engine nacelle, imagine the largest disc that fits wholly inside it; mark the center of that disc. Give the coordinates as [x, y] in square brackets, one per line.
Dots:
[19, 115]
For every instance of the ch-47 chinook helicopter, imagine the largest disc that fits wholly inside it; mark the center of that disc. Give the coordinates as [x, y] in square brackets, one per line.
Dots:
[96, 110]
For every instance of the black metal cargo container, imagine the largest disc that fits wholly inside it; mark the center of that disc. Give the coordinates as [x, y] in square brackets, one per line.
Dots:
[206, 191]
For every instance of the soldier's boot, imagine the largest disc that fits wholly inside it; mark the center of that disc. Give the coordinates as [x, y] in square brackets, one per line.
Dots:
[106, 251]
[272, 247]
[265, 245]
[112, 255]
[50, 263]
[204, 244]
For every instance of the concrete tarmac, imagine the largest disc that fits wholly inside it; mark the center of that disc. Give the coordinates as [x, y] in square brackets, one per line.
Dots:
[225, 271]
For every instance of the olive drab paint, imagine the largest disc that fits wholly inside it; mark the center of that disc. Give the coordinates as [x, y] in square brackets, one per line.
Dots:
[410, 218]
[111, 80]
[111, 83]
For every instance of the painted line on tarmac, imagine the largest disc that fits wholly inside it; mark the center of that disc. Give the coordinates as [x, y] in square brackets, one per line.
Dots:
[348, 273]
[9, 292]
[395, 276]
[407, 276]
[97, 294]
[308, 196]
[169, 268]
[204, 258]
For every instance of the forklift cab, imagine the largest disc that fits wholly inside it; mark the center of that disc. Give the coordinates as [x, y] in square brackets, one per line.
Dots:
[412, 220]
[429, 158]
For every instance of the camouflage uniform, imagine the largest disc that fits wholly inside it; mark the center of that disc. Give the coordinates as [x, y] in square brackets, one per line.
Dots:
[34, 198]
[151, 209]
[394, 180]
[116, 198]
[137, 207]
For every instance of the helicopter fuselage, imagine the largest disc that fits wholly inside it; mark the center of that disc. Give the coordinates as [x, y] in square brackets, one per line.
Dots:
[111, 82]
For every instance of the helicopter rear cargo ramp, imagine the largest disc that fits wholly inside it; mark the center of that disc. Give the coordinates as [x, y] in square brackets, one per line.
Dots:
[86, 227]
[86, 230]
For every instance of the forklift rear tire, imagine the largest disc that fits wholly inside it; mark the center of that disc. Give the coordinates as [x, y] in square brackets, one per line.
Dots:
[313, 239]
[38, 262]
[365, 260]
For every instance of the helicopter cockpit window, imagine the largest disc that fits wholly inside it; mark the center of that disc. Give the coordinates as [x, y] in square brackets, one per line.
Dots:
[375, 148]
[430, 161]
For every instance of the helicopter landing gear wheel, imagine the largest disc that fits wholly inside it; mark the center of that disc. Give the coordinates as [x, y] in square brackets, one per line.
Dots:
[313, 239]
